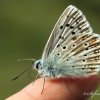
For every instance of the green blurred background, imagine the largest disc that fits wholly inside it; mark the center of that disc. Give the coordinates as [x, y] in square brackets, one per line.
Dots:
[25, 26]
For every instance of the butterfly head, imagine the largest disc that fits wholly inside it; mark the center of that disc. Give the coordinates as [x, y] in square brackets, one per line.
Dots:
[37, 65]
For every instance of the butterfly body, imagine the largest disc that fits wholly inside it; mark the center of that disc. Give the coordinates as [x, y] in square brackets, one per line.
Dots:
[72, 48]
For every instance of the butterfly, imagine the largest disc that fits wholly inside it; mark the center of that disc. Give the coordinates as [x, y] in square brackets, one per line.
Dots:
[72, 48]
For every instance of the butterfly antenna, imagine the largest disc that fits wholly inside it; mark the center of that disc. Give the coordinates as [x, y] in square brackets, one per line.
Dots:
[21, 74]
[26, 59]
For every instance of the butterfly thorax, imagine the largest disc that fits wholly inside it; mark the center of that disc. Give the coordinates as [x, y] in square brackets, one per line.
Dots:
[47, 68]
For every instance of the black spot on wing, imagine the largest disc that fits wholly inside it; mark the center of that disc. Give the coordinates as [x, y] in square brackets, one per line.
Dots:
[71, 27]
[73, 33]
[64, 47]
[61, 27]
[67, 25]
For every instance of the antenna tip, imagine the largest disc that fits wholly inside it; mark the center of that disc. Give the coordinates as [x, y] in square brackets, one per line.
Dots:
[14, 78]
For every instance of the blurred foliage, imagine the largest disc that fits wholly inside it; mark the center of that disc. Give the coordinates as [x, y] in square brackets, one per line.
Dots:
[25, 26]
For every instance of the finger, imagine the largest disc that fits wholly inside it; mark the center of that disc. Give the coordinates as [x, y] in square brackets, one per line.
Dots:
[60, 89]
[80, 88]
[33, 91]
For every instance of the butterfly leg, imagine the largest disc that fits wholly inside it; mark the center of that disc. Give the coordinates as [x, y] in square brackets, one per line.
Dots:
[43, 85]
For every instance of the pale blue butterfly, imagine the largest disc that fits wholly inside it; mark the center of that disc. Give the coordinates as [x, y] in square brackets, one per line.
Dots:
[72, 48]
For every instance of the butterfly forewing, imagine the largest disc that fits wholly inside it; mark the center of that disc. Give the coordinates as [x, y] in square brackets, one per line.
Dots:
[71, 21]
[73, 45]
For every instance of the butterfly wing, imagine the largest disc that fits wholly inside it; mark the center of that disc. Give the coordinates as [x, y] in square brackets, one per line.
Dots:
[80, 56]
[73, 45]
[71, 21]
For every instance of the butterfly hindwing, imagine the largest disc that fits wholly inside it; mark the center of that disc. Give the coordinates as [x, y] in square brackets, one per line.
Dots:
[81, 54]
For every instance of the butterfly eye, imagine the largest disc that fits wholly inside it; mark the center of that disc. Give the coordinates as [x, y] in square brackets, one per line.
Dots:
[36, 65]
